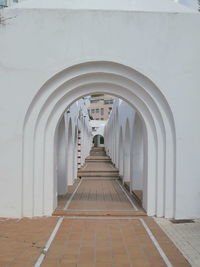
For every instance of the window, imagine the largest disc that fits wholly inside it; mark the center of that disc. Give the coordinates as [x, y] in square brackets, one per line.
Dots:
[3, 3]
[102, 119]
[92, 110]
[110, 108]
[106, 102]
[94, 101]
[102, 111]
[97, 119]
[97, 110]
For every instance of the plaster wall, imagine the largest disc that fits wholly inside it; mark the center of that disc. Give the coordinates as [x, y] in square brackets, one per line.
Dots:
[99, 127]
[61, 161]
[162, 44]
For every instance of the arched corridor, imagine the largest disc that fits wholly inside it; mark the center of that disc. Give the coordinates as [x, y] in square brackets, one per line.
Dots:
[98, 140]
[126, 84]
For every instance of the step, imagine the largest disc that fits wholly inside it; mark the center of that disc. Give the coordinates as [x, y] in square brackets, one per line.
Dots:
[96, 170]
[98, 160]
[97, 154]
[98, 174]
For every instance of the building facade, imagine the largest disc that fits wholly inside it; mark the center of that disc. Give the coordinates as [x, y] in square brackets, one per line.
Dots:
[146, 53]
[100, 107]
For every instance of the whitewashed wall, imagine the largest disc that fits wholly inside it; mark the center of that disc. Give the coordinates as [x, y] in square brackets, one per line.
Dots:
[147, 53]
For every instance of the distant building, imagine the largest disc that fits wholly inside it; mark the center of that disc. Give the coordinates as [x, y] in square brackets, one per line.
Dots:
[100, 106]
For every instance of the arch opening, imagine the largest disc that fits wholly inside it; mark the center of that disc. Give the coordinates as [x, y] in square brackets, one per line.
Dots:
[98, 140]
[56, 96]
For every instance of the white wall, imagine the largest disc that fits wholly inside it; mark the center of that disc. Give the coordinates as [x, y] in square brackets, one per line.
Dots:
[99, 127]
[157, 42]
[137, 155]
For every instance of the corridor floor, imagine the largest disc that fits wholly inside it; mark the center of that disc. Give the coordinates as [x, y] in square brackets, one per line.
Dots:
[100, 196]
[97, 224]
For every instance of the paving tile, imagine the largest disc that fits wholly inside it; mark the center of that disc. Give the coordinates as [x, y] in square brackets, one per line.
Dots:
[98, 242]
[21, 241]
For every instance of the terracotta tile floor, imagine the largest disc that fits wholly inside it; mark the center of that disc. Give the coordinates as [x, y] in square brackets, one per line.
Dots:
[109, 242]
[91, 240]
[99, 197]
[98, 166]
[21, 241]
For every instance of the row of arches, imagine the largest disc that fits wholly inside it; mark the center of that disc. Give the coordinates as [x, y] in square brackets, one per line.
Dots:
[127, 151]
[73, 142]
[48, 107]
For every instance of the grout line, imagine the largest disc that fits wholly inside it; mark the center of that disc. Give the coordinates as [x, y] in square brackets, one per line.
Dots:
[48, 244]
[153, 239]
[134, 206]
[70, 199]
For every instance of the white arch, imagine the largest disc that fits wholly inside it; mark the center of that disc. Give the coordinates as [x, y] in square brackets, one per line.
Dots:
[95, 139]
[126, 152]
[120, 147]
[75, 152]
[60, 161]
[137, 155]
[70, 154]
[89, 78]
[116, 137]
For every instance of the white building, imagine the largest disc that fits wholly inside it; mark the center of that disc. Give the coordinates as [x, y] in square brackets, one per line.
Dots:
[144, 52]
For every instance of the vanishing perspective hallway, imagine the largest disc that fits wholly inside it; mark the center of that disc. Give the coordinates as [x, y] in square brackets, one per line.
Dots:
[102, 225]
[99, 192]
[97, 224]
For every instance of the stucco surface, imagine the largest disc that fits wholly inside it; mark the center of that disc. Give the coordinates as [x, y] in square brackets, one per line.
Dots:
[134, 5]
[39, 43]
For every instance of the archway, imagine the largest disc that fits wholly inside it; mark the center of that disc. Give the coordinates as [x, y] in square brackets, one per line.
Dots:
[70, 154]
[120, 148]
[98, 140]
[75, 153]
[64, 88]
[61, 158]
[137, 156]
[126, 153]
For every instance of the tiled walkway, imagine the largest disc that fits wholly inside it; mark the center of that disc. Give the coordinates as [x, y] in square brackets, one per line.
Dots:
[96, 224]
[100, 196]
[109, 243]
[21, 241]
